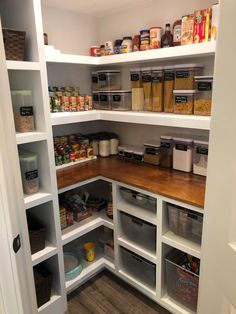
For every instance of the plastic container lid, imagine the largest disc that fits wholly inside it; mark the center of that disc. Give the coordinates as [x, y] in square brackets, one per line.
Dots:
[105, 92]
[144, 31]
[168, 67]
[188, 66]
[203, 78]
[135, 70]
[184, 92]
[166, 137]
[183, 139]
[146, 69]
[121, 91]
[23, 92]
[155, 27]
[129, 150]
[109, 71]
[127, 37]
[160, 68]
[94, 73]
[27, 156]
[201, 142]
[138, 151]
[153, 144]
[122, 147]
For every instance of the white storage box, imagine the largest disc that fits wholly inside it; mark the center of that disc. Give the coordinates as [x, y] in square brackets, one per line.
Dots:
[138, 267]
[139, 231]
[183, 154]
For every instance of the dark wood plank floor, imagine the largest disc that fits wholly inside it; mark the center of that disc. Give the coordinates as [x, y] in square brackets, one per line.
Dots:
[107, 294]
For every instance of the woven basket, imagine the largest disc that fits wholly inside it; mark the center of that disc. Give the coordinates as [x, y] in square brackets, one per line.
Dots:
[37, 234]
[43, 284]
[14, 42]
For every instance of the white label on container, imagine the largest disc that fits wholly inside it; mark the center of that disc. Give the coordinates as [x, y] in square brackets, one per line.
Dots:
[31, 175]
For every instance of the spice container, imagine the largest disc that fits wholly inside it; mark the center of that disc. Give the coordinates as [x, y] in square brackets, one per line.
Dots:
[183, 154]
[200, 157]
[104, 146]
[114, 142]
[29, 172]
[183, 101]
[166, 151]
[126, 45]
[102, 50]
[121, 100]
[95, 51]
[137, 89]
[105, 100]
[155, 37]
[23, 110]
[109, 80]
[109, 48]
[94, 79]
[157, 89]
[95, 96]
[169, 79]
[152, 152]
[138, 154]
[147, 88]
[184, 75]
[203, 99]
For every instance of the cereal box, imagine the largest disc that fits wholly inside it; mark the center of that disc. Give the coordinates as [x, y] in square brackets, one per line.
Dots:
[202, 25]
[187, 29]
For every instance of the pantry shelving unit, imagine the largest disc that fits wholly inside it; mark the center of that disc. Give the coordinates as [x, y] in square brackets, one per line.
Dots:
[33, 74]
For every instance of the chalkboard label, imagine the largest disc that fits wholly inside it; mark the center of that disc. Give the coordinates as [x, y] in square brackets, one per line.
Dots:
[116, 98]
[181, 99]
[183, 147]
[182, 74]
[31, 175]
[134, 77]
[204, 86]
[26, 111]
[202, 150]
[169, 76]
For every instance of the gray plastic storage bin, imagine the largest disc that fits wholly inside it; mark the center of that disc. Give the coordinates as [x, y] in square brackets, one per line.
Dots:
[185, 223]
[139, 231]
[138, 267]
[138, 199]
[182, 284]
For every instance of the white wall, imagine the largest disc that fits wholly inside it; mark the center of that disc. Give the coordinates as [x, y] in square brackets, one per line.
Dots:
[155, 13]
[69, 31]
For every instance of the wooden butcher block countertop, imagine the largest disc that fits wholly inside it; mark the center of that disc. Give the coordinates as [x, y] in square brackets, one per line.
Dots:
[185, 187]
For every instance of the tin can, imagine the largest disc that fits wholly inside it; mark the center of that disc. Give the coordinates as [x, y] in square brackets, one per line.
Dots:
[155, 37]
[95, 51]
[109, 48]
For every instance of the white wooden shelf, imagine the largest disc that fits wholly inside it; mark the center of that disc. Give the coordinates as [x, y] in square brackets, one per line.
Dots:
[182, 244]
[175, 306]
[80, 228]
[30, 137]
[50, 306]
[136, 283]
[152, 118]
[37, 199]
[134, 247]
[164, 54]
[44, 254]
[23, 65]
[138, 212]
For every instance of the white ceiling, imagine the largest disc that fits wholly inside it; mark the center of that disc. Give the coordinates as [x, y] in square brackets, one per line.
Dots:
[94, 7]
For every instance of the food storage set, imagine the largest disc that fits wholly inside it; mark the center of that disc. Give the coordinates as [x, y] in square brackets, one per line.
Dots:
[179, 153]
[200, 26]
[171, 89]
[107, 92]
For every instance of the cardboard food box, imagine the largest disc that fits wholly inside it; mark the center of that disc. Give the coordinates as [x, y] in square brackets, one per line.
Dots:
[187, 29]
[202, 25]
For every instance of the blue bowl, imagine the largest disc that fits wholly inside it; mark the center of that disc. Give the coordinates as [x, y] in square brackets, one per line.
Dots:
[76, 270]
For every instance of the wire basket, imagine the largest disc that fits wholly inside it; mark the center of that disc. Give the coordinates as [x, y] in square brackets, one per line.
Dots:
[14, 42]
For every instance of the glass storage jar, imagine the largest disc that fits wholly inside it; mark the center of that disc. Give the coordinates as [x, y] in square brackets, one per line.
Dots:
[105, 100]
[121, 100]
[29, 172]
[184, 75]
[147, 88]
[200, 157]
[183, 154]
[183, 101]
[169, 79]
[109, 80]
[166, 151]
[23, 110]
[157, 89]
[203, 99]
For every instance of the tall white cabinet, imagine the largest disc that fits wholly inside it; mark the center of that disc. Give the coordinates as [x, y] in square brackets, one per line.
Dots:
[73, 67]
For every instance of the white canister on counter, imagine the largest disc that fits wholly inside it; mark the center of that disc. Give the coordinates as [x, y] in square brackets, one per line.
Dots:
[183, 154]
[104, 146]
[114, 143]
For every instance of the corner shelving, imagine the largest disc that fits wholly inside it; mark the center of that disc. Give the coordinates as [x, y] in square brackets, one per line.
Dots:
[23, 65]
[28, 137]
[137, 212]
[51, 306]
[44, 254]
[37, 199]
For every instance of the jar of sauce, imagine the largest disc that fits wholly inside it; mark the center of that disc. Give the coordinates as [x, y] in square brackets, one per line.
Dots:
[127, 43]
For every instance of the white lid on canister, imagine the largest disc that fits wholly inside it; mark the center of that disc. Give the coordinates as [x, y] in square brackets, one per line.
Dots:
[155, 144]
[135, 70]
[122, 147]
[138, 150]
[204, 78]
[146, 69]
[166, 137]
[160, 68]
[121, 91]
[184, 92]
[108, 71]
[188, 66]
[201, 142]
[168, 67]
[183, 139]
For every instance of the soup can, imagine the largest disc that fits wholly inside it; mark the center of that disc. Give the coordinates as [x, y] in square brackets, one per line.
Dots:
[95, 51]
[155, 37]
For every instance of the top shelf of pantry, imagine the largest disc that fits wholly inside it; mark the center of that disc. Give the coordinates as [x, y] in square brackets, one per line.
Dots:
[164, 54]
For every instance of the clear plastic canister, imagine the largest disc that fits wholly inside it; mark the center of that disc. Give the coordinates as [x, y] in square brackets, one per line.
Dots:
[94, 78]
[29, 172]
[109, 80]
[136, 78]
[23, 110]
[183, 101]
[200, 157]
[184, 75]
[183, 154]
[137, 89]
[169, 79]
[166, 151]
[147, 88]
[157, 89]
[203, 99]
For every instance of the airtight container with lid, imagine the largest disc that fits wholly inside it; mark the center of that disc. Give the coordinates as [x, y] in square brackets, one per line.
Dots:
[200, 157]
[121, 100]
[94, 78]
[129, 152]
[109, 80]
[147, 88]
[121, 150]
[135, 78]
[169, 79]
[183, 154]
[202, 100]
[152, 153]
[157, 89]
[29, 172]
[95, 96]
[166, 151]
[105, 100]
[137, 89]
[138, 154]
[183, 101]
[23, 110]
[184, 75]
